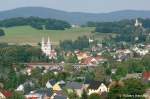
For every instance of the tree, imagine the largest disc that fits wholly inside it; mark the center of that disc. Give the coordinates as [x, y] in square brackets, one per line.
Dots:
[121, 72]
[135, 87]
[68, 68]
[108, 71]
[62, 76]
[81, 43]
[128, 87]
[146, 62]
[36, 74]
[35, 22]
[99, 73]
[2, 33]
[116, 90]
[135, 66]
[73, 95]
[45, 77]
[94, 96]
[84, 95]
[72, 59]
[17, 95]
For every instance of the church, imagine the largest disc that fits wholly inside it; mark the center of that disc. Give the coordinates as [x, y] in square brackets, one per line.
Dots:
[46, 48]
[137, 23]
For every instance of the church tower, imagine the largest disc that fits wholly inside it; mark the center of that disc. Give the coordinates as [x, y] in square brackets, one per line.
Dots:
[137, 23]
[46, 48]
[42, 45]
[49, 44]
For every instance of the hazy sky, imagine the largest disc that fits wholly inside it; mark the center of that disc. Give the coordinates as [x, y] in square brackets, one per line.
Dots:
[79, 5]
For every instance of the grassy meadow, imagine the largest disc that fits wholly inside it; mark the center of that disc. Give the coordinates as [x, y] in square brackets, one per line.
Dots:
[29, 35]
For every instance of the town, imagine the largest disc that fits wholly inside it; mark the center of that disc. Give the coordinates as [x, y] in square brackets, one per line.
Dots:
[86, 68]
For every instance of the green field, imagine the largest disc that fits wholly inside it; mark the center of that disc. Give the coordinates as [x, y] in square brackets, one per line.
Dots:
[29, 35]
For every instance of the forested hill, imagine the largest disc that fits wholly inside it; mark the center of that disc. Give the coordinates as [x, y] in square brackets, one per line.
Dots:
[36, 22]
[73, 17]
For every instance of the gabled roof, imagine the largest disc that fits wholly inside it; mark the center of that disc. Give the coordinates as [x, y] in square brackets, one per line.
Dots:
[89, 60]
[93, 60]
[7, 94]
[20, 88]
[52, 82]
[87, 81]
[74, 85]
[94, 85]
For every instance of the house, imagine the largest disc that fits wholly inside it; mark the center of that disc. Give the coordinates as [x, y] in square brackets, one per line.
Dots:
[50, 83]
[93, 60]
[140, 51]
[147, 94]
[49, 94]
[124, 51]
[74, 86]
[75, 26]
[113, 71]
[33, 96]
[97, 87]
[60, 97]
[81, 55]
[20, 88]
[57, 87]
[46, 66]
[40, 94]
[122, 54]
[61, 83]
[133, 76]
[2, 96]
[54, 85]
[7, 94]
[146, 76]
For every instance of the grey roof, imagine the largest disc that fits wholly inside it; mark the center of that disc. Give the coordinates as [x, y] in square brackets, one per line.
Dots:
[94, 85]
[60, 97]
[62, 82]
[52, 82]
[48, 92]
[73, 85]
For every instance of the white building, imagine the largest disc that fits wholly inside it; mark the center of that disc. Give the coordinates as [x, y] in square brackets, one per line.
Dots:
[100, 89]
[46, 48]
[20, 88]
[137, 23]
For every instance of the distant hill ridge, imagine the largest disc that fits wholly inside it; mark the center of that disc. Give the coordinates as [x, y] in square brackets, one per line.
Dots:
[73, 17]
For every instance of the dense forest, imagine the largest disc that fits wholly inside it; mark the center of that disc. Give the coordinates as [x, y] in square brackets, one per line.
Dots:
[123, 26]
[81, 43]
[35, 22]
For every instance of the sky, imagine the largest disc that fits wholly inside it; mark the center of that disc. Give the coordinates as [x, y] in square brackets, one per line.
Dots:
[94, 6]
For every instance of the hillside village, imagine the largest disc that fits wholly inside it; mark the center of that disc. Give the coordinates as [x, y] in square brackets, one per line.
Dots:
[96, 71]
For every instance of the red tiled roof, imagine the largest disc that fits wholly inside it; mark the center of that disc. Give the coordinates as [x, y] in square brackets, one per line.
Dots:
[96, 59]
[146, 75]
[7, 94]
[89, 60]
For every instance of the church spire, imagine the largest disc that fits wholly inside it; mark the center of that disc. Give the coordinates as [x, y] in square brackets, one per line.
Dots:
[49, 44]
[48, 41]
[43, 42]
